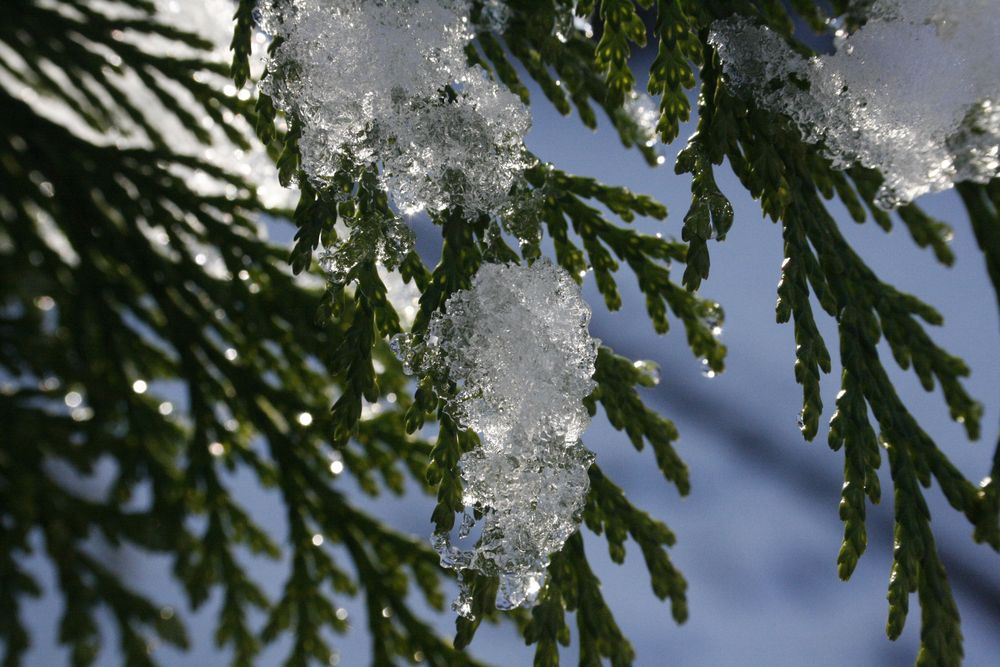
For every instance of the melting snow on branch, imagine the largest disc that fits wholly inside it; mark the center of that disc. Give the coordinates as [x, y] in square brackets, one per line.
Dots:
[517, 347]
[915, 93]
[389, 83]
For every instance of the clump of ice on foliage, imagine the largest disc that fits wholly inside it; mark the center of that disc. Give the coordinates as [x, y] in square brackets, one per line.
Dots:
[387, 243]
[517, 347]
[914, 93]
[388, 83]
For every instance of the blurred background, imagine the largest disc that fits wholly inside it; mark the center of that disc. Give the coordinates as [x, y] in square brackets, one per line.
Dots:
[759, 534]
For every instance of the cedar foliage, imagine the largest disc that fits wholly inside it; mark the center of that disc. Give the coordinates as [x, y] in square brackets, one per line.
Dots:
[105, 306]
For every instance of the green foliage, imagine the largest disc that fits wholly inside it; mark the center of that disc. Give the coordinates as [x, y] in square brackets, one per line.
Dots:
[671, 75]
[101, 286]
[791, 180]
[622, 25]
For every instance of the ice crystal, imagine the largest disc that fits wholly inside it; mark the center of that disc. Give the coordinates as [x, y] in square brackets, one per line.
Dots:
[517, 348]
[463, 151]
[388, 83]
[914, 93]
[386, 243]
[525, 209]
[712, 317]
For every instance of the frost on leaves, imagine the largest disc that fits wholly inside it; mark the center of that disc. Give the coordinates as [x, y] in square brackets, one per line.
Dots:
[915, 93]
[517, 351]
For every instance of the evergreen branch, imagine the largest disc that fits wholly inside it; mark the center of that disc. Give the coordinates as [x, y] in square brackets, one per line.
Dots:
[182, 349]
[483, 591]
[711, 214]
[647, 256]
[610, 513]
[572, 585]
[798, 271]
[983, 206]
[572, 581]
[621, 26]
[925, 231]
[987, 509]
[95, 53]
[616, 379]
[530, 37]
[104, 254]
[240, 45]
[671, 74]
[775, 166]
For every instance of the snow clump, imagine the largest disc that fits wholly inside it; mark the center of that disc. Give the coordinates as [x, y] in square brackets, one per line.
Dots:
[372, 81]
[517, 348]
[915, 93]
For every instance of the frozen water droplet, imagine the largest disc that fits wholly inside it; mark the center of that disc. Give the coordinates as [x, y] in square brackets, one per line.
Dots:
[387, 242]
[404, 347]
[644, 112]
[518, 591]
[649, 372]
[463, 603]
[712, 317]
[494, 15]
[331, 264]
[707, 370]
[468, 521]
